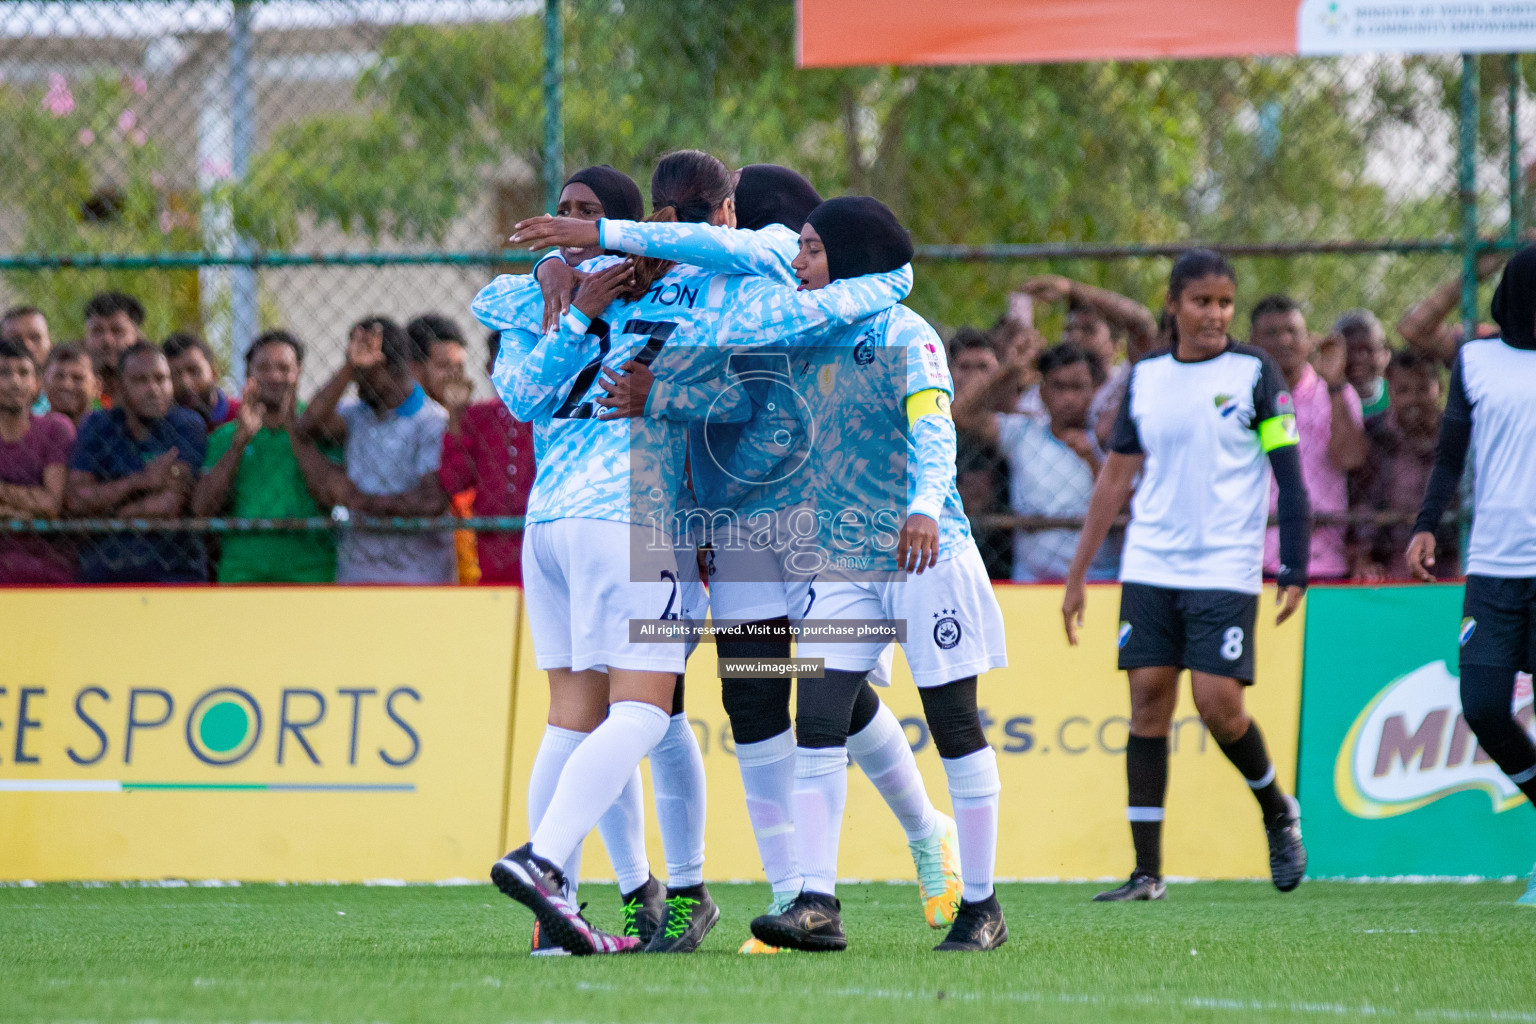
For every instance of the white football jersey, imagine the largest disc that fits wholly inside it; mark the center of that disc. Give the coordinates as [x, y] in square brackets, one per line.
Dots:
[1493, 385]
[1197, 518]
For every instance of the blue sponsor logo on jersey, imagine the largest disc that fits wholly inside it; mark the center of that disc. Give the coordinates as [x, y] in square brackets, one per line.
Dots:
[673, 293]
[1125, 633]
[1468, 626]
[1227, 404]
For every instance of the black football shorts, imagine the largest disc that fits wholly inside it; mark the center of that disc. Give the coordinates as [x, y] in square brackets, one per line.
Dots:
[1203, 630]
[1498, 623]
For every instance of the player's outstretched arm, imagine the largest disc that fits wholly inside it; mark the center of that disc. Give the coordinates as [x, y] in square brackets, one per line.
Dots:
[722, 250]
[764, 253]
[1110, 493]
[763, 312]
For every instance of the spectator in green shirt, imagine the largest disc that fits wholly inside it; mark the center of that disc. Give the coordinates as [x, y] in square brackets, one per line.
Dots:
[258, 466]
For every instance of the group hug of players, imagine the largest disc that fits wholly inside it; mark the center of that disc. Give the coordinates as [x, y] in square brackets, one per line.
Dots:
[621, 350]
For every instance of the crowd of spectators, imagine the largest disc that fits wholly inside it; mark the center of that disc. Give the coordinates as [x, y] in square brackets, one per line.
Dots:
[1034, 424]
[118, 427]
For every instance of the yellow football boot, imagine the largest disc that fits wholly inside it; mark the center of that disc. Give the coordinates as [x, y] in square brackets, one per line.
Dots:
[937, 859]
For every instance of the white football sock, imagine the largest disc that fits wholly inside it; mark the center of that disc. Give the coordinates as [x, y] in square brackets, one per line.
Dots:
[881, 750]
[973, 789]
[768, 776]
[622, 827]
[555, 748]
[596, 774]
[677, 775]
[821, 791]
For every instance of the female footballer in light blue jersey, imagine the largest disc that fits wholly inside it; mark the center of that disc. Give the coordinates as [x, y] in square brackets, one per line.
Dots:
[751, 582]
[599, 544]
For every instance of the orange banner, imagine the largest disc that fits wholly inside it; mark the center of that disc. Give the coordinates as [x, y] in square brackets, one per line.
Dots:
[850, 32]
[842, 32]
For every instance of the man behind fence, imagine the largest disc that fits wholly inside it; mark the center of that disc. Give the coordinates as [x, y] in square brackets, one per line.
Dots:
[1397, 475]
[34, 456]
[261, 466]
[394, 441]
[113, 323]
[195, 381]
[1052, 464]
[28, 327]
[1329, 419]
[70, 383]
[139, 460]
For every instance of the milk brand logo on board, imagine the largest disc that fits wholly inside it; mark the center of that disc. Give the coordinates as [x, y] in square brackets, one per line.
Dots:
[1410, 746]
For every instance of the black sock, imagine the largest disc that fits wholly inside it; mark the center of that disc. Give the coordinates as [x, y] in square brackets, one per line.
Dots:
[1248, 753]
[691, 891]
[1146, 776]
[1486, 694]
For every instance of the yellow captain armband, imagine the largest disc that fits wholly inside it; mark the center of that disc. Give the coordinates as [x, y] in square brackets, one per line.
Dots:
[1278, 432]
[929, 402]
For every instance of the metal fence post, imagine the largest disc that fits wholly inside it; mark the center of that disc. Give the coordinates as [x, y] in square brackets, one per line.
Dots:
[244, 314]
[1516, 183]
[1467, 188]
[554, 116]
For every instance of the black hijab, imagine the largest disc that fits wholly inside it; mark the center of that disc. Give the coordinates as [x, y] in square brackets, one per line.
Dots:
[769, 194]
[616, 190]
[1514, 301]
[861, 236]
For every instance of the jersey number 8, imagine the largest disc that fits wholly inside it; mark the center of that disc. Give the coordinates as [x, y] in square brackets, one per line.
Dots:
[1232, 645]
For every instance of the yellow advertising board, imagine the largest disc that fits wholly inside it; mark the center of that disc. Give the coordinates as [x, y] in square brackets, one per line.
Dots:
[352, 734]
[261, 733]
[1057, 717]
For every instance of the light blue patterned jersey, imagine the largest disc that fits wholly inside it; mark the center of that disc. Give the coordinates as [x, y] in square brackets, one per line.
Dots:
[632, 470]
[879, 362]
[733, 460]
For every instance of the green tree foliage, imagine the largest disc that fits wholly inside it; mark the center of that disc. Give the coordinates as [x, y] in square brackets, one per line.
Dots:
[1213, 151]
[84, 177]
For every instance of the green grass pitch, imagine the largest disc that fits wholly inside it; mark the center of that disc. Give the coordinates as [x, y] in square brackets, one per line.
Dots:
[1234, 951]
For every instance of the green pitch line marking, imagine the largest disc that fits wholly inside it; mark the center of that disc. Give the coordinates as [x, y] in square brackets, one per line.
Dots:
[117, 785]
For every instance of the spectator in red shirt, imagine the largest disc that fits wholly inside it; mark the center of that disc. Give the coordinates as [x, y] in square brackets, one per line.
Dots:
[489, 451]
[438, 358]
[195, 383]
[34, 465]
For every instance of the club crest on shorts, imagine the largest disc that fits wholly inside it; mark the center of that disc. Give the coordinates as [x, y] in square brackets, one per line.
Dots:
[946, 632]
[1468, 626]
[1125, 634]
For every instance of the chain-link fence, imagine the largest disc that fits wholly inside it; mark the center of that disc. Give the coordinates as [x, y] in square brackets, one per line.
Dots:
[307, 166]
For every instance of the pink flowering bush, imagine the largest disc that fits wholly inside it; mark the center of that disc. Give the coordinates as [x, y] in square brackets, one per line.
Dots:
[76, 146]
